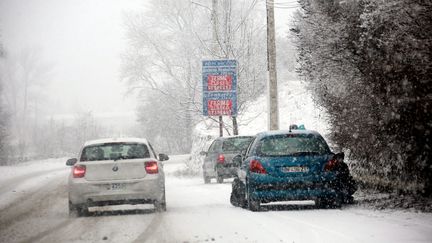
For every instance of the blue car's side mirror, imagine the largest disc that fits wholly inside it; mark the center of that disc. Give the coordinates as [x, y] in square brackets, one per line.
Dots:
[339, 156]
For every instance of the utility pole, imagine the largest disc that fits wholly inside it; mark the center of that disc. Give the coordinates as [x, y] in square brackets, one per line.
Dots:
[215, 48]
[271, 67]
[227, 42]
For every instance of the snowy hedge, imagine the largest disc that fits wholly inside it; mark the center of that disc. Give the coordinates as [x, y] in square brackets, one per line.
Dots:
[369, 64]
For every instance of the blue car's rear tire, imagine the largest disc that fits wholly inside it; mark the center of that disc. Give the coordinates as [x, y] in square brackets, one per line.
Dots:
[328, 202]
[253, 204]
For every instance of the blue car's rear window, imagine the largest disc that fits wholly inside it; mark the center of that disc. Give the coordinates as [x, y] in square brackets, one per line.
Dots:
[292, 145]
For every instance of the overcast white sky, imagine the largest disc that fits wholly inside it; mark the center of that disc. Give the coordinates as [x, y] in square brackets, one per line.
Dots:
[83, 39]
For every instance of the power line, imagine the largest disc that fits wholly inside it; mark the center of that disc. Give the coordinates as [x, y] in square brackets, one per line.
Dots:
[283, 5]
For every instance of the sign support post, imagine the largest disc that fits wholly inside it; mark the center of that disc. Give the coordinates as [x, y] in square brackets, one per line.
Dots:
[220, 126]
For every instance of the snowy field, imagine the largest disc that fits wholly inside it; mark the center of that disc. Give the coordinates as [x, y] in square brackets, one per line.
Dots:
[33, 208]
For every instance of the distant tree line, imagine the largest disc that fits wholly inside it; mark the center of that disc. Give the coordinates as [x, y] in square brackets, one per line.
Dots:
[369, 64]
[27, 132]
[3, 120]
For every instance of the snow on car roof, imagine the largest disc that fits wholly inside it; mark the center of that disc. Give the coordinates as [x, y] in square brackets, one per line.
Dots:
[116, 140]
[237, 136]
[281, 132]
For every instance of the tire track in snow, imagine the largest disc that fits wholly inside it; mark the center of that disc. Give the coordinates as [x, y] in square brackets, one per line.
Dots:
[151, 229]
[10, 184]
[31, 203]
[44, 233]
[316, 227]
[36, 214]
[266, 226]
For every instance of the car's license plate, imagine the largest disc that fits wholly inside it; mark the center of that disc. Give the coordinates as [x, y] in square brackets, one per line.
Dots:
[116, 186]
[290, 169]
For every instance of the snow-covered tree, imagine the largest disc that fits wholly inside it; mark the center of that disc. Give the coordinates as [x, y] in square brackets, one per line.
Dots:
[162, 124]
[169, 41]
[23, 76]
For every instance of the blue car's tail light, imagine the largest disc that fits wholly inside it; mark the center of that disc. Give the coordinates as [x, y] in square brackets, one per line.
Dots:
[256, 167]
[330, 165]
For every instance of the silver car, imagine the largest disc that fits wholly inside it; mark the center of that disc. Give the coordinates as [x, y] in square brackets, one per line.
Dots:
[218, 159]
[116, 171]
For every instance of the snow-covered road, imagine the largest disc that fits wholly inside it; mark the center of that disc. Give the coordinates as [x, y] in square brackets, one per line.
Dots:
[33, 208]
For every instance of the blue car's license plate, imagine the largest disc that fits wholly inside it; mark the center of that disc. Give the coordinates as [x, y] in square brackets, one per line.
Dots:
[290, 169]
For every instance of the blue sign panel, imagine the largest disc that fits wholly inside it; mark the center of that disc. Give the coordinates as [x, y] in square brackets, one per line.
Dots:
[219, 87]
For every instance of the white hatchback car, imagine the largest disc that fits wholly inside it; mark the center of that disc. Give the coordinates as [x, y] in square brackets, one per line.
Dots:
[114, 172]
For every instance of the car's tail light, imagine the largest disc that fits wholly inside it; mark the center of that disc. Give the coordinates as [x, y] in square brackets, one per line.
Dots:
[256, 167]
[151, 167]
[330, 165]
[79, 171]
[221, 159]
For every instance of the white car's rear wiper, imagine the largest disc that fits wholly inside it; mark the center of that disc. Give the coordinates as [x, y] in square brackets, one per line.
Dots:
[120, 158]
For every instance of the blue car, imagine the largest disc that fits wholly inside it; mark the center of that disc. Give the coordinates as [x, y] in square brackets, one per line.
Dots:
[291, 165]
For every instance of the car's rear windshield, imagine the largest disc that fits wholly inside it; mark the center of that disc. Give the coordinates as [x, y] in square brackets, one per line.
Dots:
[293, 145]
[236, 144]
[115, 151]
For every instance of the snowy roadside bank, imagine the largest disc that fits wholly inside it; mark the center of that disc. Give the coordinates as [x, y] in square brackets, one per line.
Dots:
[23, 180]
[10, 172]
[177, 166]
[374, 199]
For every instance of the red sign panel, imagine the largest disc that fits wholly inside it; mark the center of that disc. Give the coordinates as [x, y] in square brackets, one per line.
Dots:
[219, 82]
[219, 107]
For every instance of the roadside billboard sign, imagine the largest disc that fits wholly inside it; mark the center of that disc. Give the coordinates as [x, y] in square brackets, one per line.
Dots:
[219, 79]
